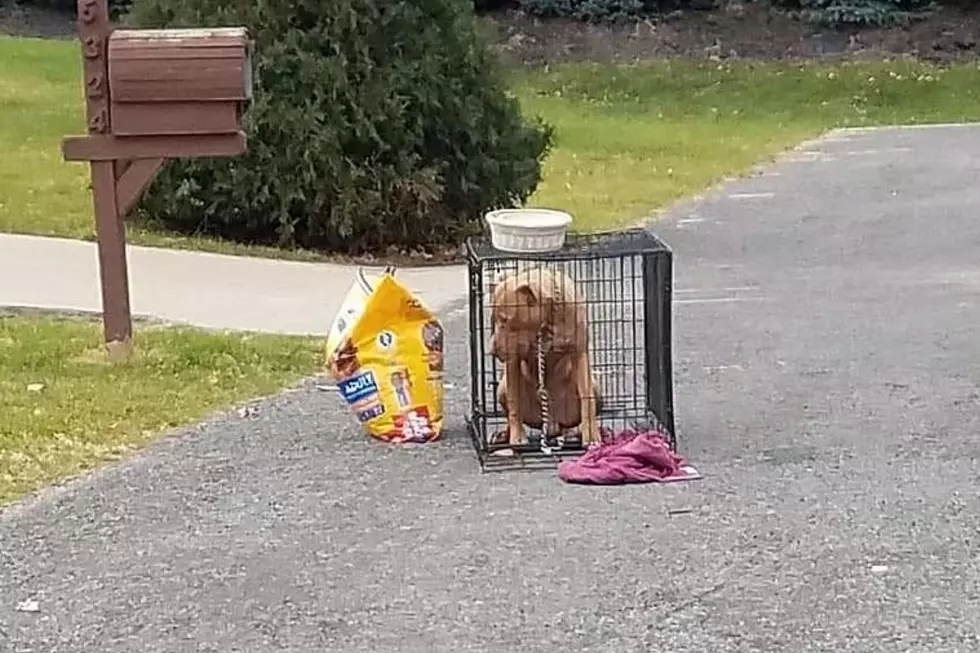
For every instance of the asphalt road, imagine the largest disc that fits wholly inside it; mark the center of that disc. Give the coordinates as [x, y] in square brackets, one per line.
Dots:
[828, 391]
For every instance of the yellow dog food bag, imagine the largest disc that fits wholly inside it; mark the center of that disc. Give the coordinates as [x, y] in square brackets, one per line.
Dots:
[385, 352]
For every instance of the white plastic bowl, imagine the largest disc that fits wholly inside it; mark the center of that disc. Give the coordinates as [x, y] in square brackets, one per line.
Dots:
[528, 230]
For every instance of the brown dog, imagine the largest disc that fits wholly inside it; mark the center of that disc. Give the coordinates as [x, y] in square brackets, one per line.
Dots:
[523, 303]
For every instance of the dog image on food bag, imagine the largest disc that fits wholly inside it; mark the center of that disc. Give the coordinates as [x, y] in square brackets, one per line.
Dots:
[433, 337]
[543, 305]
[345, 363]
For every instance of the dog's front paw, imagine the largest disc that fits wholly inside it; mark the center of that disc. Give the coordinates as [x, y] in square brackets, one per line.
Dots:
[515, 435]
[590, 432]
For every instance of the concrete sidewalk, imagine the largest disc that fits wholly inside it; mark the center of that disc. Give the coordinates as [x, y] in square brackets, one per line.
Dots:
[207, 290]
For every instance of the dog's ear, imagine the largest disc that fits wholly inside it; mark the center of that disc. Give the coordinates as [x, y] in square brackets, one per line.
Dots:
[527, 293]
[536, 291]
[535, 287]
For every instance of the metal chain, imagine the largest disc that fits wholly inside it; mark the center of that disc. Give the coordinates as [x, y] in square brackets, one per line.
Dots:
[543, 345]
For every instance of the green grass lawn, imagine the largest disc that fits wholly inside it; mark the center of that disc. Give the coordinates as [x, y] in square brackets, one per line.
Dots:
[64, 408]
[40, 102]
[631, 139]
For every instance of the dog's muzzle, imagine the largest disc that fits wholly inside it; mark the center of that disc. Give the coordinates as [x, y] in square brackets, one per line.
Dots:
[506, 344]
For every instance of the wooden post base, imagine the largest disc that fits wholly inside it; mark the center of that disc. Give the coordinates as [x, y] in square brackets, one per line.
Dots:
[113, 269]
[119, 351]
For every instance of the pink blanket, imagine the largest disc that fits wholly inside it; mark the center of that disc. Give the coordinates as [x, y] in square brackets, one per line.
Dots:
[629, 457]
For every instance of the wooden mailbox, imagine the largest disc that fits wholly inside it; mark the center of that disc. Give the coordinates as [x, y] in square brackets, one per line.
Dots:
[178, 82]
[150, 95]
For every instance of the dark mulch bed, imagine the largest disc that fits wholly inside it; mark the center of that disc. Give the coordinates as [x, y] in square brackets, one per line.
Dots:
[746, 31]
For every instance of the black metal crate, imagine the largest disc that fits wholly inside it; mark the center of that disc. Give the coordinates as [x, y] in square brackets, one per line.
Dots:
[626, 279]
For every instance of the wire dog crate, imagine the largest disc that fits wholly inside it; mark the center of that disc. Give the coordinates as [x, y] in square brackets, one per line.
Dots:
[624, 279]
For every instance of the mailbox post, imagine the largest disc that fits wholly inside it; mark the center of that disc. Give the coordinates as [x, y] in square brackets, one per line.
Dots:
[150, 95]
